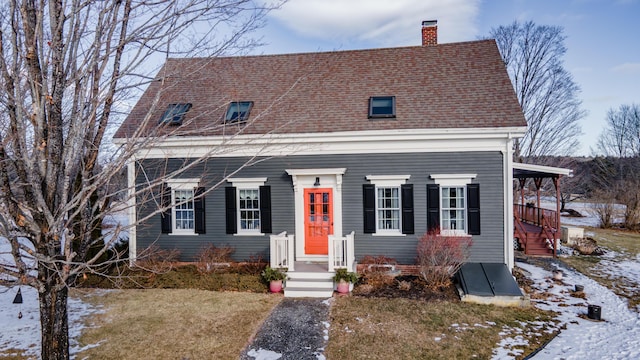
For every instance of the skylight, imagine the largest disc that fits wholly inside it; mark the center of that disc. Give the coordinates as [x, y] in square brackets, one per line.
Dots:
[382, 107]
[238, 111]
[174, 113]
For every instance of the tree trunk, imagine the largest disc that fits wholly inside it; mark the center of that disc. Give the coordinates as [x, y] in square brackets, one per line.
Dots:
[53, 318]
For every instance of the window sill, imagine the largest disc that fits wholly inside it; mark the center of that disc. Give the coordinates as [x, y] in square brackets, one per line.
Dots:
[455, 235]
[388, 234]
[248, 234]
[182, 234]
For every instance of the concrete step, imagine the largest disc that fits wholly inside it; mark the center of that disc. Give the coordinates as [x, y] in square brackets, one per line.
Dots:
[310, 275]
[310, 283]
[317, 284]
[307, 292]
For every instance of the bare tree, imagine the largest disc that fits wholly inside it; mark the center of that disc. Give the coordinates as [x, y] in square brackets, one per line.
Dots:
[621, 135]
[545, 89]
[68, 69]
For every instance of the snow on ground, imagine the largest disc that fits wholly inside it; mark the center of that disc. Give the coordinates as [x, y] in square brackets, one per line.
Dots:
[623, 269]
[24, 334]
[616, 337]
[587, 209]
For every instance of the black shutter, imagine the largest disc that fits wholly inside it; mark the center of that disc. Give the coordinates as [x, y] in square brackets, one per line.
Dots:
[369, 208]
[165, 216]
[433, 207]
[473, 208]
[265, 209]
[407, 209]
[230, 206]
[198, 208]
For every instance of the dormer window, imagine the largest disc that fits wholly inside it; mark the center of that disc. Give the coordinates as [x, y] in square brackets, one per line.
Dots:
[382, 107]
[238, 111]
[174, 114]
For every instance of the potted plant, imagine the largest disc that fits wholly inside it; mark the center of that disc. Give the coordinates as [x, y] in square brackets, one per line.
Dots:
[343, 278]
[274, 277]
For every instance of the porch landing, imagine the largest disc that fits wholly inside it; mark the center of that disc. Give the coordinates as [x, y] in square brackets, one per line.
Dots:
[310, 279]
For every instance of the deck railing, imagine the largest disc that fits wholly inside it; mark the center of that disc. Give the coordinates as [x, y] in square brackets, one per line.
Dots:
[536, 216]
[281, 248]
[341, 252]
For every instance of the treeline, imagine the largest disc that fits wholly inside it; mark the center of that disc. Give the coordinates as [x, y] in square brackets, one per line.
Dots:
[602, 180]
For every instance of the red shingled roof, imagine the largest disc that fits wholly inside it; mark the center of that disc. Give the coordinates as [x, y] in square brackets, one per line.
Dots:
[456, 85]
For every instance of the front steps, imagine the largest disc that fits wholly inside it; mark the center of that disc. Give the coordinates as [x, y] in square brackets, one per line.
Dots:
[309, 280]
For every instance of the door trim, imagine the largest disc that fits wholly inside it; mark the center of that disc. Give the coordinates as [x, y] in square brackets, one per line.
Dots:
[306, 178]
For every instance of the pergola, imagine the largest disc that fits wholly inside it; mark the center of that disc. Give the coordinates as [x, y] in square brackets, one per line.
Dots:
[546, 221]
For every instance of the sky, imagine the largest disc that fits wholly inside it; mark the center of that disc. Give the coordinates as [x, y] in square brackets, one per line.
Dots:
[602, 38]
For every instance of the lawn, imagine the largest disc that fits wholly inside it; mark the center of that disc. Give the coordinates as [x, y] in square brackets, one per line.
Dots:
[174, 324]
[373, 328]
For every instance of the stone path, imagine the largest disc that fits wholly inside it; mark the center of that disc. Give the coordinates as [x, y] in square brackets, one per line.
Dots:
[295, 329]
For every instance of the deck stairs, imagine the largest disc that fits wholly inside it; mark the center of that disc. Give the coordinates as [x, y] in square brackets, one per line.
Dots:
[309, 279]
[533, 239]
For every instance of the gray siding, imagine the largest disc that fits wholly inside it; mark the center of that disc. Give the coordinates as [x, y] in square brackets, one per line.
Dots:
[487, 247]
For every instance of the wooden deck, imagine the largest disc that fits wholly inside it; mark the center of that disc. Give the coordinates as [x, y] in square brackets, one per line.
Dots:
[536, 230]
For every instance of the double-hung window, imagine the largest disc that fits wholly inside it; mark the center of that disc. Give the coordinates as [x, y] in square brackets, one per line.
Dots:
[453, 209]
[388, 208]
[249, 209]
[388, 205]
[183, 211]
[248, 206]
[453, 204]
[183, 207]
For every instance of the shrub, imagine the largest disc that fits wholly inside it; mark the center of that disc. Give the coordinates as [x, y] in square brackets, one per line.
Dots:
[378, 263]
[156, 259]
[604, 208]
[439, 257]
[212, 258]
[377, 279]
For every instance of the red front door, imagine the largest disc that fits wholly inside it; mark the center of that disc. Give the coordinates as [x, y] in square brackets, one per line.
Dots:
[318, 220]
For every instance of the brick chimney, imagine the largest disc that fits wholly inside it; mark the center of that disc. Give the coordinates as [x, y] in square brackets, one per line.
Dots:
[429, 32]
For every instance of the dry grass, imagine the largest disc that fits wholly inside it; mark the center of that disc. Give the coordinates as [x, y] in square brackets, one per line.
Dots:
[364, 328]
[174, 324]
[617, 240]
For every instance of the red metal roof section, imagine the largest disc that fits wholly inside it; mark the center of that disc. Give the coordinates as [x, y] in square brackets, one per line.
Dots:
[457, 85]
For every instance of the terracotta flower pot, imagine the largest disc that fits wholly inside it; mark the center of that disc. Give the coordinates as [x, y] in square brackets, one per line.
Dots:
[275, 286]
[342, 287]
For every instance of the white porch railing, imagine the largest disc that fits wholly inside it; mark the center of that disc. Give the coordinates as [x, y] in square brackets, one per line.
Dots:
[341, 252]
[281, 251]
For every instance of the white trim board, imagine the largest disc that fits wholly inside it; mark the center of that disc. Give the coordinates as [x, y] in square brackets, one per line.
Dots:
[360, 142]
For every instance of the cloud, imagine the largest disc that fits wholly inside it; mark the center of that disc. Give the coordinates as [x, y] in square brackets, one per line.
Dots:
[627, 68]
[382, 22]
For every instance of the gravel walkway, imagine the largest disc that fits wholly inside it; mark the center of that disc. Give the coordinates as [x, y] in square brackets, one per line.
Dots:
[296, 329]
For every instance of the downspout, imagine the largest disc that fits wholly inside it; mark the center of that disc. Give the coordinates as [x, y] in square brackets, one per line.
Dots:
[556, 183]
[131, 203]
[508, 204]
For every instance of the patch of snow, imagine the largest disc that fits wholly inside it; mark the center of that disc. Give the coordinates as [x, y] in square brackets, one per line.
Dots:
[262, 354]
[616, 337]
[325, 331]
[24, 334]
[328, 301]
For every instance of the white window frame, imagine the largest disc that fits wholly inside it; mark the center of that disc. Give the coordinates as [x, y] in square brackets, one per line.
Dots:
[453, 181]
[182, 184]
[388, 181]
[247, 184]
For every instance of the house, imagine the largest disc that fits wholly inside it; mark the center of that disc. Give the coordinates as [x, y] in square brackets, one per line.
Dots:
[315, 160]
